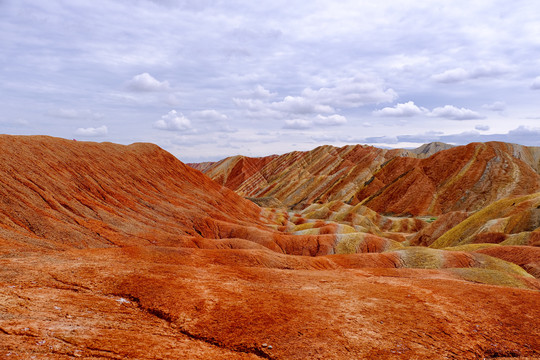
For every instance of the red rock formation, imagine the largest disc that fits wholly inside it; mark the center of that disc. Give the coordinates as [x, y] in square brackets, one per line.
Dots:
[232, 172]
[430, 180]
[79, 194]
[122, 252]
[437, 228]
[517, 216]
[300, 178]
[528, 257]
[462, 178]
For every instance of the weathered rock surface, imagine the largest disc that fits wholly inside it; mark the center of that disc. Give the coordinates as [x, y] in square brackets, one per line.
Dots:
[509, 221]
[123, 252]
[465, 178]
[528, 257]
[430, 233]
[431, 180]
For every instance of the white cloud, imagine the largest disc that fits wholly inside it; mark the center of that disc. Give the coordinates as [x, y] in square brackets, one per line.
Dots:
[450, 76]
[536, 84]
[92, 132]
[261, 93]
[482, 127]
[496, 106]
[320, 120]
[301, 105]
[490, 70]
[460, 74]
[410, 109]
[401, 110]
[352, 93]
[209, 115]
[146, 82]
[454, 113]
[173, 121]
[254, 105]
[74, 114]
[332, 120]
[298, 124]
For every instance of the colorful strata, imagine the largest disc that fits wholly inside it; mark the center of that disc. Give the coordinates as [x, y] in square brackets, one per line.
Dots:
[123, 252]
[431, 180]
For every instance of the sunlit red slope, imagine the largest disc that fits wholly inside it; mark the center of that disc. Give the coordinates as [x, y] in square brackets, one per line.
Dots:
[123, 252]
[79, 194]
[428, 181]
[462, 178]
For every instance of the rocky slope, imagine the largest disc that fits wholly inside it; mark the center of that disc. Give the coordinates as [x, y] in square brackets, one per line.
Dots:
[510, 221]
[431, 180]
[61, 194]
[123, 252]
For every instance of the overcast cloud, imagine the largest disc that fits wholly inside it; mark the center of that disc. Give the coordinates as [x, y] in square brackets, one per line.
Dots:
[207, 79]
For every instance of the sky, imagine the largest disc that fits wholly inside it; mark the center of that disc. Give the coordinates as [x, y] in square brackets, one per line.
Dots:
[206, 79]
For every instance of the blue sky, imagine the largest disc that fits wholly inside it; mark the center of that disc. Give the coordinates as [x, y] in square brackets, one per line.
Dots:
[207, 79]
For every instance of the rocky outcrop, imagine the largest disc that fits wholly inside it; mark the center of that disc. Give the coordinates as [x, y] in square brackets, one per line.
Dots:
[439, 226]
[528, 257]
[301, 178]
[429, 149]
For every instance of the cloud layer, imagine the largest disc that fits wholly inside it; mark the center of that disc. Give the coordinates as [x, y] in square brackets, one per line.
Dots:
[455, 113]
[257, 78]
[409, 109]
[459, 74]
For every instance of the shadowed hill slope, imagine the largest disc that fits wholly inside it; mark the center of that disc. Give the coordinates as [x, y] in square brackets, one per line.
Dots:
[123, 252]
[430, 180]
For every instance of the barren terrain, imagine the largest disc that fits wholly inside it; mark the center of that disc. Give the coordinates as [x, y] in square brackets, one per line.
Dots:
[113, 252]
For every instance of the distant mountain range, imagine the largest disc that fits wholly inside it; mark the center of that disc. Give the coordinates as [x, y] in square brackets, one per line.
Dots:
[433, 179]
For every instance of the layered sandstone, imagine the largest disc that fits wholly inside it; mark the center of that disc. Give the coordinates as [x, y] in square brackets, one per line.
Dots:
[431, 180]
[509, 221]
